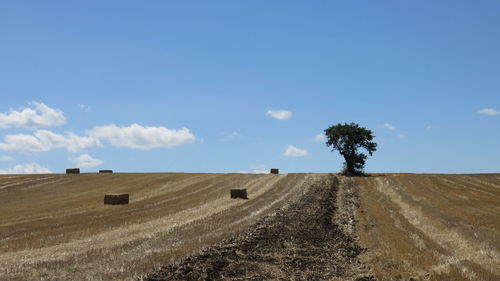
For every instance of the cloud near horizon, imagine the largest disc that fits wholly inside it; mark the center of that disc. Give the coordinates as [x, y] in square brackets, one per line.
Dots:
[489, 111]
[45, 140]
[227, 137]
[84, 107]
[134, 136]
[320, 137]
[143, 138]
[86, 161]
[258, 169]
[29, 118]
[388, 126]
[292, 151]
[32, 168]
[279, 114]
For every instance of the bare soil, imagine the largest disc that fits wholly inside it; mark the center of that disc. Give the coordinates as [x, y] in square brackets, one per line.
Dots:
[308, 239]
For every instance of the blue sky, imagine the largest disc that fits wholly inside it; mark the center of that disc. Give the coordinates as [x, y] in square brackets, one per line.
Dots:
[192, 86]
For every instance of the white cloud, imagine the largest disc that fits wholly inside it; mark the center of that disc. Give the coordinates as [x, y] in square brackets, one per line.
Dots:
[428, 127]
[292, 151]
[84, 108]
[401, 136]
[6, 158]
[279, 114]
[226, 137]
[320, 137]
[388, 126]
[29, 118]
[489, 111]
[32, 168]
[44, 140]
[138, 137]
[86, 161]
[258, 169]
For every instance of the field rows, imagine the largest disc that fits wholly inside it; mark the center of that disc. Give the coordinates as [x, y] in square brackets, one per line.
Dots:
[437, 227]
[412, 227]
[56, 226]
[308, 239]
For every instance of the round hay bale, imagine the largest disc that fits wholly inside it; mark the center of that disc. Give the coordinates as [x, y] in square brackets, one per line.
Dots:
[239, 193]
[116, 199]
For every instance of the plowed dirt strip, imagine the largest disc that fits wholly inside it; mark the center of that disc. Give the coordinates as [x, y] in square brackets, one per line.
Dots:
[302, 241]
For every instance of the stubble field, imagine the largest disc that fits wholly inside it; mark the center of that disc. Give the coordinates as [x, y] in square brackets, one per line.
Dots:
[293, 227]
[431, 227]
[55, 227]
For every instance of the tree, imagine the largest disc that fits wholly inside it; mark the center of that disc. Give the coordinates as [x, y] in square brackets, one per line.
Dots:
[347, 139]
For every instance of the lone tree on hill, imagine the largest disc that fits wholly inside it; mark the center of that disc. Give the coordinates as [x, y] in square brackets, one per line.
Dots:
[347, 139]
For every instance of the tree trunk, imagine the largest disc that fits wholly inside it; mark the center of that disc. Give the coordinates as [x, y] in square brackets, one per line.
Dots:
[349, 165]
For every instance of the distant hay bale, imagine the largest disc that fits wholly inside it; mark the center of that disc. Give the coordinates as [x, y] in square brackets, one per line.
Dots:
[105, 171]
[116, 199]
[73, 171]
[275, 171]
[239, 193]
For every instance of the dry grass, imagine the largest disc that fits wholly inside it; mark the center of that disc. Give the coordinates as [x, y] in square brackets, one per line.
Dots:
[431, 227]
[425, 227]
[55, 227]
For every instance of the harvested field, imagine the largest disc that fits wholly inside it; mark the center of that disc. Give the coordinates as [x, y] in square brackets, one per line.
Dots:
[307, 240]
[55, 227]
[293, 227]
[431, 227]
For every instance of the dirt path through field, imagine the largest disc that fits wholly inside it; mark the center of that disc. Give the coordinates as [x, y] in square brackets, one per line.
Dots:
[310, 239]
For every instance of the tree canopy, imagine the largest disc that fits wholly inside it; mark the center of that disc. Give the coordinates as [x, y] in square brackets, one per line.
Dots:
[348, 139]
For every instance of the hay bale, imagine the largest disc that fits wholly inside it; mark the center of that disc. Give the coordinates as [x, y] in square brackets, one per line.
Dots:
[116, 199]
[275, 171]
[73, 171]
[105, 171]
[239, 193]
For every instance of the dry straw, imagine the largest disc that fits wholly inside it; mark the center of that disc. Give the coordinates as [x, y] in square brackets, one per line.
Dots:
[116, 199]
[73, 171]
[239, 193]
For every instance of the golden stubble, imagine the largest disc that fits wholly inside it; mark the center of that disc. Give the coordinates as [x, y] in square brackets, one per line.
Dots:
[431, 227]
[170, 216]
